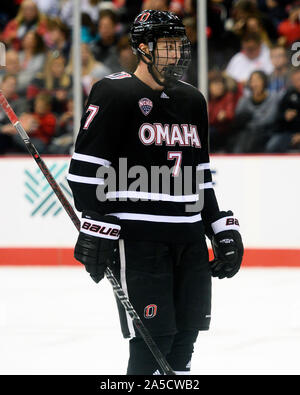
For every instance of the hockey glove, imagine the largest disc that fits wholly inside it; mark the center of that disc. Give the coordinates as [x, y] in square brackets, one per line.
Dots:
[97, 243]
[227, 246]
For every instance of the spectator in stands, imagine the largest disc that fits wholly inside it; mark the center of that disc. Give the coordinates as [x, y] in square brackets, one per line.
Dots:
[8, 11]
[59, 37]
[55, 81]
[279, 79]
[28, 18]
[91, 70]
[90, 7]
[40, 124]
[63, 139]
[274, 10]
[105, 47]
[222, 43]
[254, 56]
[191, 76]
[190, 8]
[32, 59]
[49, 7]
[126, 58]
[242, 11]
[287, 136]
[289, 29]
[127, 10]
[88, 29]
[161, 5]
[221, 110]
[12, 64]
[8, 87]
[255, 116]
[254, 25]
[177, 6]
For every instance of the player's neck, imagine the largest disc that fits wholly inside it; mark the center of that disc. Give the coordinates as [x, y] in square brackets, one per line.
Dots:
[143, 74]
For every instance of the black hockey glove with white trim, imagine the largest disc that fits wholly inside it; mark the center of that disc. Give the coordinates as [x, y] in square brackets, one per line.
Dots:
[227, 245]
[97, 243]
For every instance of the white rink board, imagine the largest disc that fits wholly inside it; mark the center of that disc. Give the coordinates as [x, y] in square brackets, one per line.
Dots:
[263, 192]
[23, 227]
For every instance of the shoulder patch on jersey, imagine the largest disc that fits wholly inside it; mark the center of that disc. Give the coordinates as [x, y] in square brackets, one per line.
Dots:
[118, 76]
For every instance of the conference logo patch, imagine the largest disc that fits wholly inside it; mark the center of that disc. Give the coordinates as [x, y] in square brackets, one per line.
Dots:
[146, 106]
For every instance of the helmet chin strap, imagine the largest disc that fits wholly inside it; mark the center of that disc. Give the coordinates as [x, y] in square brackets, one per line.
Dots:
[156, 79]
[150, 67]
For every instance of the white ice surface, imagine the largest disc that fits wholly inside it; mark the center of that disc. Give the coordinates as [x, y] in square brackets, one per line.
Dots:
[57, 321]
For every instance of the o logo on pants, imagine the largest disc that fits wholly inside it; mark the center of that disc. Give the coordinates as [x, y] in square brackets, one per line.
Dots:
[150, 311]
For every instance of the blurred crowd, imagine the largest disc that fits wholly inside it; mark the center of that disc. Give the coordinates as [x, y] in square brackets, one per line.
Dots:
[253, 80]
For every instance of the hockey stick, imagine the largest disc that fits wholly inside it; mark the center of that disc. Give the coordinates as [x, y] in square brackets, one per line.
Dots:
[166, 368]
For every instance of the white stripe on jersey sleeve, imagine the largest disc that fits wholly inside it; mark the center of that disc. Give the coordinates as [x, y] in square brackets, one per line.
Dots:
[91, 159]
[152, 196]
[206, 185]
[203, 166]
[85, 180]
[158, 218]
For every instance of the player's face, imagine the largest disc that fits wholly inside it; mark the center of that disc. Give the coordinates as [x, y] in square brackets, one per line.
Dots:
[168, 52]
[171, 58]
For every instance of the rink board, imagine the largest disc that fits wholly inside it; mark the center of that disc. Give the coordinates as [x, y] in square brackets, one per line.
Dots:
[263, 191]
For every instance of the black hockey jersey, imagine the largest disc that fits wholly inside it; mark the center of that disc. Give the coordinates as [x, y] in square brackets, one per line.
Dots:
[142, 155]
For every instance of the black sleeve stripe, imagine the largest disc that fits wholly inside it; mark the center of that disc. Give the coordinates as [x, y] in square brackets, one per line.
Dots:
[85, 169]
[85, 197]
[205, 176]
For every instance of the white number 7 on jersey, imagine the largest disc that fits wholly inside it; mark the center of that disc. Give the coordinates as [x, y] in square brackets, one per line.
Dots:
[178, 157]
[93, 111]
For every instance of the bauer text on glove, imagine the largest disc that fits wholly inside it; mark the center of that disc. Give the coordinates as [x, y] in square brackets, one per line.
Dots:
[97, 243]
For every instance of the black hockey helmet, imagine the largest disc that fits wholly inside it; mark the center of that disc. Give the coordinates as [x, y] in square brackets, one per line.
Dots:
[147, 28]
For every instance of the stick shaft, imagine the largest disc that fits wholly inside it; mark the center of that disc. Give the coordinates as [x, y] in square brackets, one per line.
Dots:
[70, 211]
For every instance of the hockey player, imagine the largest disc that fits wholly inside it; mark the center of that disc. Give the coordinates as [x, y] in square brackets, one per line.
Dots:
[155, 245]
